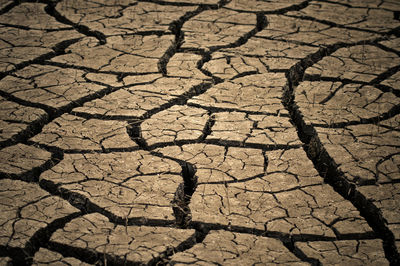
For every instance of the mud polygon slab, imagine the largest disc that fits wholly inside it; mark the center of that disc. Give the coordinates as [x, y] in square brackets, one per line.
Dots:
[345, 252]
[20, 159]
[174, 124]
[286, 200]
[136, 101]
[293, 30]
[229, 248]
[217, 164]
[185, 65]
[70, 132]
[52, 86]
[262, 52]
[124, 17]
[132, 53]
[361, 63]
[363, 18]
[125, 184]
[387, 198]
[367, 154]
[331, 104]
[25, 209]
[217, 28]
[22, 45]
[48, 257]
[253, 129]
[31, 15]
[135, 244]
[257, 93]
[230, 65]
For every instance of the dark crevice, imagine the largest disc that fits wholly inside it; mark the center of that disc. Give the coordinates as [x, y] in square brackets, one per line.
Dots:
[135, 133]
[290, 245]
[105, 117]
[180, 100]
[396, 15]
[87, 255]
[24, 256]
[183, 195]
[9, 6]
[42, 236]
[386, 74]
[33, 174]
[51, 10]
[33, 128]
[326, 165]
[58, 49]
[244, 74]
[164, 258]
[207, 127]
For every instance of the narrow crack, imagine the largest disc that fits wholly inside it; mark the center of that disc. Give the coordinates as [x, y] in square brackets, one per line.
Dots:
[52, 11]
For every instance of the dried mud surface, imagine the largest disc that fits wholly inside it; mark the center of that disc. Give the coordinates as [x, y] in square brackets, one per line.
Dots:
[205, 132]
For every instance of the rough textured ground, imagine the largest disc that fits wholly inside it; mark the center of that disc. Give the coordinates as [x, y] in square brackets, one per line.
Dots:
[201, 132]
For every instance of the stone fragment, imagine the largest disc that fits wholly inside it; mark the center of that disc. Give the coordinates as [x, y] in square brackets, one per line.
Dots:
[132, 244]
[229, 248]
[48, 257]
[345, 252]
[20, 159]
[174, 124]
[25, 209]
[126, 184]
[70, 132]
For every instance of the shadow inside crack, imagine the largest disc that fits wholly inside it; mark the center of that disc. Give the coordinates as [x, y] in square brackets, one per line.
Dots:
[183, 195]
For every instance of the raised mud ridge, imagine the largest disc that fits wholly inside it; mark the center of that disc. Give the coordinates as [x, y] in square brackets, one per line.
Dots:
[199, 132]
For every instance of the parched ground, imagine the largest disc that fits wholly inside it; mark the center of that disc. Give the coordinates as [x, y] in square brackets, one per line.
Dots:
[200, 132]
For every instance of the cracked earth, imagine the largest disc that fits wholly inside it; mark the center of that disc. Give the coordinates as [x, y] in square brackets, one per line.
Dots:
[199, 132]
